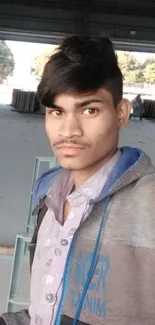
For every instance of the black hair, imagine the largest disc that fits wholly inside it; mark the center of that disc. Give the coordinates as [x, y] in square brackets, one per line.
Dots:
[81, 64]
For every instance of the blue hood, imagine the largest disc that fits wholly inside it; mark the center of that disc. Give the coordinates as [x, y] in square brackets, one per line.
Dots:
[132, 161]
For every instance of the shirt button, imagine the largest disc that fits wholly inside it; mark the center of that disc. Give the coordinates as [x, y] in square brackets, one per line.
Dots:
[50, 298]
[58, 252]
[38, 320]
[49, 262]
[64, 242]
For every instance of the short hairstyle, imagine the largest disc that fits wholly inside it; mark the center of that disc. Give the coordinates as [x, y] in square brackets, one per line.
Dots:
[81, 64]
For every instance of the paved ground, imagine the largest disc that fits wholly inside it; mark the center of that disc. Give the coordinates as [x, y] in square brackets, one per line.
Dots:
[22, 138]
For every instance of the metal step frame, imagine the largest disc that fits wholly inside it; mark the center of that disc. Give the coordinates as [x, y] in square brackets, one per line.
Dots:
[15, 299]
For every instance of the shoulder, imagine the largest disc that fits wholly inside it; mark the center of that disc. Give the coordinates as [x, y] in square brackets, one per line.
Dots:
[146, 182]
[144, 192]
[44, 182]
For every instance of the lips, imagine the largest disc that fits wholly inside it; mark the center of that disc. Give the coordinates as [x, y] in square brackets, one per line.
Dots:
[69, 150]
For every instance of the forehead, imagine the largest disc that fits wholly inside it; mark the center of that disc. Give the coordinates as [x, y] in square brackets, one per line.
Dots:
[73, 98]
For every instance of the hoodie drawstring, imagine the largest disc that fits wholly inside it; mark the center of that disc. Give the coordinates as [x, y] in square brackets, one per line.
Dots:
[92, 264]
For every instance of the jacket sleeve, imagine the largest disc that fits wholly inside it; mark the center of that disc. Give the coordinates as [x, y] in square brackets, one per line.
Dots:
[40, 213]
[19, 318]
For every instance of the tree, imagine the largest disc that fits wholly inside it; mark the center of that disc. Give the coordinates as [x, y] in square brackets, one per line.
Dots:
[41, 60]
[149, 73]
[127, 63]
[140, 75]
[130, 77]
[130, 67]
[6, 61]
[148, 60]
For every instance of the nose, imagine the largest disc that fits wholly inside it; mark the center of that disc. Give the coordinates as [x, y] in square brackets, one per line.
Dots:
[70, 127]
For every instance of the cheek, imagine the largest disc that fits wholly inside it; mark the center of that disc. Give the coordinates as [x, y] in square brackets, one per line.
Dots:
[47, 128]
[104, 128]
[111, 126]
[50, 128]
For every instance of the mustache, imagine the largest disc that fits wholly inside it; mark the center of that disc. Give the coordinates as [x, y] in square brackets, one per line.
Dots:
[70, 142]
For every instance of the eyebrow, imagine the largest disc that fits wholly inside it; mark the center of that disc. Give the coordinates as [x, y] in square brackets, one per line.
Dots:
[88, 102]
[82, 104]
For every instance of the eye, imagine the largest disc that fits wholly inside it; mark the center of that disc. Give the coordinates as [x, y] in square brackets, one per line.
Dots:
[55, 112]
[90, 111]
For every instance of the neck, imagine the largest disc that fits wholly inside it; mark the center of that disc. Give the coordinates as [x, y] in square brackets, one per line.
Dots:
[81, 176]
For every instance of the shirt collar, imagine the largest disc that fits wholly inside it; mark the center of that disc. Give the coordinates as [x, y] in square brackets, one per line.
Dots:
[89, 191]
[92, 188]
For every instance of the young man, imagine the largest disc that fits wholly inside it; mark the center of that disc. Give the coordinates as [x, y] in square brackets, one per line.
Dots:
[94, 260]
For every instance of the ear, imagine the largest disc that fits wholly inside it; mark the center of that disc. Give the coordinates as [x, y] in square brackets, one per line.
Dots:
[123, 112]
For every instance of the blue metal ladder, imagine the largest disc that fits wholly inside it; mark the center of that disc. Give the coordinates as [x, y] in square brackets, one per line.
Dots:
[22, 241]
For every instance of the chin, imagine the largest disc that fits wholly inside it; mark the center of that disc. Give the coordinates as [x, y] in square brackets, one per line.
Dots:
[70, 164]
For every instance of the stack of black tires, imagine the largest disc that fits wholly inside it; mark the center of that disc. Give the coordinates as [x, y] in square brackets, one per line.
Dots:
[149, 108]
[25, 101]
[143, 109]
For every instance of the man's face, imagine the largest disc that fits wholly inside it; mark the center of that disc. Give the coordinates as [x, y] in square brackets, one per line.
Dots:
[83, 129]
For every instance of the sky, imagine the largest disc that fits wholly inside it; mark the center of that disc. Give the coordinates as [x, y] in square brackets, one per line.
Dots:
[141, 56]
[27, 49]
[25, 52]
